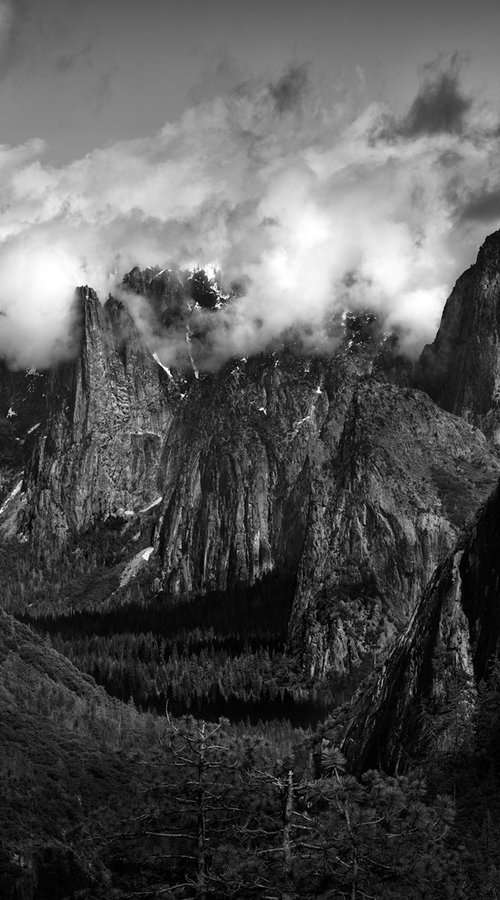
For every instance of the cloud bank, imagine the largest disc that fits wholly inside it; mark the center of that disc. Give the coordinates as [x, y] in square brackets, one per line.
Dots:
[316, 208]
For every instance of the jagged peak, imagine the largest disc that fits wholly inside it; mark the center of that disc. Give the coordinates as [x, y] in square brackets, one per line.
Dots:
[86, 295]
[489, 252]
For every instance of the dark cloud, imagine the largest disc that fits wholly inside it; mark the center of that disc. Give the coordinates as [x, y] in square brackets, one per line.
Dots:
[12, 49]
[440, 105]
[483, 207]
[68, 61]
[291, 89]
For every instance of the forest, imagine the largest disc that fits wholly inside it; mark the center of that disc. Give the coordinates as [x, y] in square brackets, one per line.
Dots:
[221, 774]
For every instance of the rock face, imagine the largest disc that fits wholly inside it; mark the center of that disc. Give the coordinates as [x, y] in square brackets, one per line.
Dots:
[109, 415]
[461, 369]
[386, 506]
[236, 474]
[437, 663]
[323, 470]
[23, 409]
[329, 471]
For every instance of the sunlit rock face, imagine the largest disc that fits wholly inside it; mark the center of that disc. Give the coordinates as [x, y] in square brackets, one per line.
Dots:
[109, 414]
[437, 664]
[461, 368]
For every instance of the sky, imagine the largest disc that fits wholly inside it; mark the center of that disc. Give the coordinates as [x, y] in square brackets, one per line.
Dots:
[329, 152]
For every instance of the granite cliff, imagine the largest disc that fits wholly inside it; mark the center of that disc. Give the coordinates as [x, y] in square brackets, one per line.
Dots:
[434, 670]
[109, 412]
[461, 368]
[332, 472]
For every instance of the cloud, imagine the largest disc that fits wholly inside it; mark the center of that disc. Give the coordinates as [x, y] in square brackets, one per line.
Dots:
[290, 90]
[313, 210]
[483, 206]
[440, 105]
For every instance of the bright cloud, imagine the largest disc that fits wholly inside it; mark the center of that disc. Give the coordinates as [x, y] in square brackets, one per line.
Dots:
[316, 211]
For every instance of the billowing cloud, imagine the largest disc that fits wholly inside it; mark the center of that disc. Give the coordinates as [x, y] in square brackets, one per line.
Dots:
[314, 210]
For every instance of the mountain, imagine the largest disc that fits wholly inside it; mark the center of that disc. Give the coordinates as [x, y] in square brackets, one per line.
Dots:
[255, 540]
[438, 663]
[109, 414]
[388, 504]
[452, 641]
[330, 472]
[461, 369]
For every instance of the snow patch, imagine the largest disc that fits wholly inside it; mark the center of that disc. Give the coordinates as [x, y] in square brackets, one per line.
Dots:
[154, 503]
[34, 428]
[13, 493]
[135, 565]
[165, 368]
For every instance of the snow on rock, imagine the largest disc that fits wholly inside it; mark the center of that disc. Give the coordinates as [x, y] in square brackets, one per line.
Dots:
[135, 565]
[13, 493]
[154, 503]
[165, 368]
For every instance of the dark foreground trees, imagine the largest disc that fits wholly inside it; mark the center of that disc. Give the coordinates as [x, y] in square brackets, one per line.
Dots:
[228, 819]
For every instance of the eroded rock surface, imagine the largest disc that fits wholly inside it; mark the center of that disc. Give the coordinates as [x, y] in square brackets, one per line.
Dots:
[436, 665]
[109, 416]
[461, 368]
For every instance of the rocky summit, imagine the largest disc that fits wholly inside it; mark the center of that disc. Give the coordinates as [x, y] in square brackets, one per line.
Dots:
[310, 537]
[461, 369]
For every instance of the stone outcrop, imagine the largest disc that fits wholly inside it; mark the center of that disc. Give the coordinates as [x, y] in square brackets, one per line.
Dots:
[237, 474]
[438, 662]
[23, 410]
[109, 416]
[353, 486]
[385, 508]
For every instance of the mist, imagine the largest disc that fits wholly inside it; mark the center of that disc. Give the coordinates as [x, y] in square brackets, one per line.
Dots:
[318, 207]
